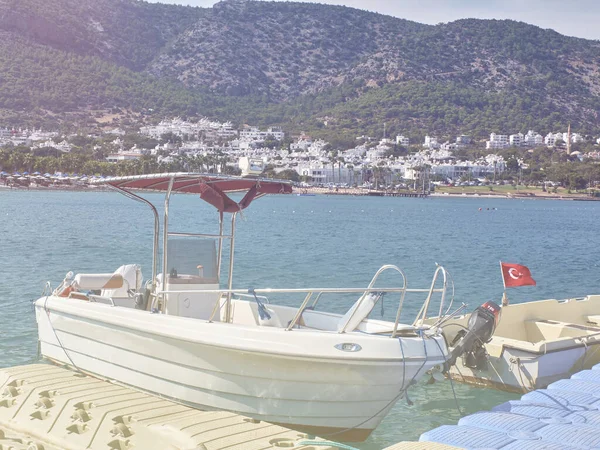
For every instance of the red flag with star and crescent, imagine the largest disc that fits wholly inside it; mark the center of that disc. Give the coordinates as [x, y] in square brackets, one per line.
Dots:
[516, 275]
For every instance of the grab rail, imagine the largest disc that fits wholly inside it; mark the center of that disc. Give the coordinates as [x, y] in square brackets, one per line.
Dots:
[227, 293]
[371, 284]
[422, 315]
[250, 296]
[299, 291]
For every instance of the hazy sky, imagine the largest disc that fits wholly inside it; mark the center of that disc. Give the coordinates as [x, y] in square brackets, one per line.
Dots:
[579, 18]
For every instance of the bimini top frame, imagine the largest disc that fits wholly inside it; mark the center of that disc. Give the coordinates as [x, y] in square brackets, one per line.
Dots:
[211, 188]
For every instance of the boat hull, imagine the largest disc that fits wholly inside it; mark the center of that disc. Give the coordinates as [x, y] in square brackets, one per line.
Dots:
[521, 371]
[294, 378]
[535, 344]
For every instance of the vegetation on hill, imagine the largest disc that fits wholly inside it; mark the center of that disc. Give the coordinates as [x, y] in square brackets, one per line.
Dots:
[127, 32]
[331, 71]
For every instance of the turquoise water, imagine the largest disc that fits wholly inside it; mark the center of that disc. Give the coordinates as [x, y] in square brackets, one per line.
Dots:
[311, 242]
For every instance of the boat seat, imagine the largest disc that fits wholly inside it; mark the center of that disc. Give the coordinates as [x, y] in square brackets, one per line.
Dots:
[554, 329]
[358, 312]
[132, 280]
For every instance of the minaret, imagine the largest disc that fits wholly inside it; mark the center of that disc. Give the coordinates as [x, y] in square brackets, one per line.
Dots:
[569, 140]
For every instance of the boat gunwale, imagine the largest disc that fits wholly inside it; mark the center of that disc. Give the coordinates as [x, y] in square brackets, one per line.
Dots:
[342, 358]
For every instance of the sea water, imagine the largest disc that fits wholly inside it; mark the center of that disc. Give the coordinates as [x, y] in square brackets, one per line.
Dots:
[302, 242]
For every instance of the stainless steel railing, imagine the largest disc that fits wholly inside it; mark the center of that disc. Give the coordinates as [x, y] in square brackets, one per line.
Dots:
[226, 295]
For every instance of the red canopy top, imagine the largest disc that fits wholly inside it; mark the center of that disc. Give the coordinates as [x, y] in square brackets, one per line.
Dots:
[212, 188]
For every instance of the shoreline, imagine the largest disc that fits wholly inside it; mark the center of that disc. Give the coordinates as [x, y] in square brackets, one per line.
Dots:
[355, 192]
[501, 195]
[55, 188]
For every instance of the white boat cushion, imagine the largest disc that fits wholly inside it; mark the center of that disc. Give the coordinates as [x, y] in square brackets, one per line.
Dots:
[95, 281]
[351, 320]
[132, 277]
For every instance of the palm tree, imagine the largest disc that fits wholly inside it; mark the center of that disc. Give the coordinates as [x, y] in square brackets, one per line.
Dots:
[15, 160]
[4, 158]
[351, 174]
[28, 161]
[340, 161]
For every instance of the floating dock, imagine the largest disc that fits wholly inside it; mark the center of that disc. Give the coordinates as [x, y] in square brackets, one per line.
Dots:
[46, 407]
[564, 416]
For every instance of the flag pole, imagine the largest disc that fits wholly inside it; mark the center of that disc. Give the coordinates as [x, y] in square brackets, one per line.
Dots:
[504, 297]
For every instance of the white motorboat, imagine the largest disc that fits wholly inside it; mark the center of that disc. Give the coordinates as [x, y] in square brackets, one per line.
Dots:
[534, 344]
[186, 336]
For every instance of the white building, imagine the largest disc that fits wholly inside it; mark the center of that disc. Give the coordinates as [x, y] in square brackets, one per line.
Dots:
[533, 139]
[302, 144]
[123, 156]
[254, 134]
[251, 166]
[497, 141]
[182, 128]
[401, 140]
[6, 133]
[324, 172]
[226, 131]
[431, 143]
[448, 146]
[516, 140]
[376, 153]
[575, 138]
[356, 153]
[63, 146]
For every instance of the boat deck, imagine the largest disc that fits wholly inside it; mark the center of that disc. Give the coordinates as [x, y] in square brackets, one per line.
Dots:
[564, 416]
[43, 406]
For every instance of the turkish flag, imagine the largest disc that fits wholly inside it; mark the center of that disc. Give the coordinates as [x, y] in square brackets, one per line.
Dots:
[515, 275]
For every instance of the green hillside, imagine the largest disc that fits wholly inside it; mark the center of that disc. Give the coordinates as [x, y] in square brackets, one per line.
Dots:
[317, 68]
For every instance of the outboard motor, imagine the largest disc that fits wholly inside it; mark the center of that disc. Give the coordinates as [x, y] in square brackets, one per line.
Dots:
[470, 342]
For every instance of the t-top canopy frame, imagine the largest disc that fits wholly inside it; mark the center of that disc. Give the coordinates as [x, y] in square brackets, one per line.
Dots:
[212, 188]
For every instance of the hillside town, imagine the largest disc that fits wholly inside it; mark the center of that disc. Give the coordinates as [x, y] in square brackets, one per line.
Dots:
[211, 146]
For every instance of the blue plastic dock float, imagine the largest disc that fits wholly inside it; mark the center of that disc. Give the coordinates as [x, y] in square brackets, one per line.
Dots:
[564, 416]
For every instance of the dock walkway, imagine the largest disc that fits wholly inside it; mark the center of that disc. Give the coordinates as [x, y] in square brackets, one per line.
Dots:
[564, 416]
[47, 407]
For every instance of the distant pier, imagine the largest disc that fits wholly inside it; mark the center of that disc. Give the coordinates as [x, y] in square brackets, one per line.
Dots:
[361, 192]
[398, 194]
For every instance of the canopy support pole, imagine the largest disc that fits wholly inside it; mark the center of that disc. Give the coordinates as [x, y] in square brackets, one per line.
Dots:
[230, 278]
[133, 196]
[220, 251]
[166, 234]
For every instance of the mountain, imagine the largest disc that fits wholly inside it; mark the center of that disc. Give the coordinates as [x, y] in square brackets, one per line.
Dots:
[319, 68]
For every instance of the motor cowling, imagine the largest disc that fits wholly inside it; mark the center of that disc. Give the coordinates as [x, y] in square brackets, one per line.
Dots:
[480, 329]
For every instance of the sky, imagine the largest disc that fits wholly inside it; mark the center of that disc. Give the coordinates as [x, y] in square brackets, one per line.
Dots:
[578, 18]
